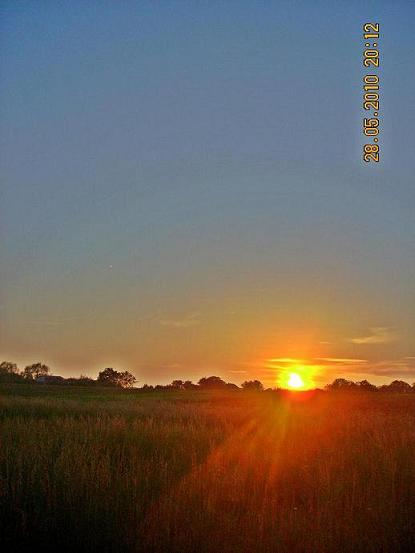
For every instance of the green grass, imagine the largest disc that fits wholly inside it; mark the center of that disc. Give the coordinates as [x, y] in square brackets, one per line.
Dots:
[121, 471]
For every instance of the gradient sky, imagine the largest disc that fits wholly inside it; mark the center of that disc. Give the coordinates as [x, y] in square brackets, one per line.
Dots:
[183, 192]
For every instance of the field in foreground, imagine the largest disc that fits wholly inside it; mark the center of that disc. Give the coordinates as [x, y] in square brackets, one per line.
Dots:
[85, 470]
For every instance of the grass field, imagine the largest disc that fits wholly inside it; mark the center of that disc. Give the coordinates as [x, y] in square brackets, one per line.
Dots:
[121, 471]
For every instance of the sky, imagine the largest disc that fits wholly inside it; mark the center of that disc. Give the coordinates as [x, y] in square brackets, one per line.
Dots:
[183, 192]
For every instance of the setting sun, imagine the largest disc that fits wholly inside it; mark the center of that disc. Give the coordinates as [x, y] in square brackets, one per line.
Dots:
[294, 373]
[295, 381]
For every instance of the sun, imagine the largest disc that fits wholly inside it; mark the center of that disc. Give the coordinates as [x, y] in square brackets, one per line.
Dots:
[295, 381]
[293, 376]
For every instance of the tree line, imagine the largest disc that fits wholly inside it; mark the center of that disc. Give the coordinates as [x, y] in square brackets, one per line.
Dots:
[39, 373]
[342, 384]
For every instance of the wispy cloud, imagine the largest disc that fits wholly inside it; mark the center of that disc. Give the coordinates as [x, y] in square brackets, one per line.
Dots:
[340, 360]
[394, 368]
[378, 335]
[191, 319]
[54, 322]
[284, 360]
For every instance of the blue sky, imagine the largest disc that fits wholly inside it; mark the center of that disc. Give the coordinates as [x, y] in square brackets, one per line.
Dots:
[183, 190]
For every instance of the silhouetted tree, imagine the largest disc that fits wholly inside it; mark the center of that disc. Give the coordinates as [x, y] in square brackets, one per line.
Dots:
[188, 385]
[253, 385]
[177, 384]
[8, 367]
[9, 372]
[366, 386]
[32, 372]
[341, 384]
[111, 377]
[399, 386]
[212, 383]
[127, 380]
[108, 377]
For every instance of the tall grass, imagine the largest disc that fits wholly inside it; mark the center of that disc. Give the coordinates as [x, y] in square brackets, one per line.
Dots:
[206, 472]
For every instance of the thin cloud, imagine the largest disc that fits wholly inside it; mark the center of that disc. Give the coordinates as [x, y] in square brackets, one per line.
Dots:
[284, 360]
[393, 368]
[54, 322]
[189, 320]
[341, 360]
[378, 335]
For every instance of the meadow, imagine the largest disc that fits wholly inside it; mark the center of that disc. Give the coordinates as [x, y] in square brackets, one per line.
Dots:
[88, 470]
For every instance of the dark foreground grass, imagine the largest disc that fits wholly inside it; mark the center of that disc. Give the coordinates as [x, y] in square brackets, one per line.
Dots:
[88, 470]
